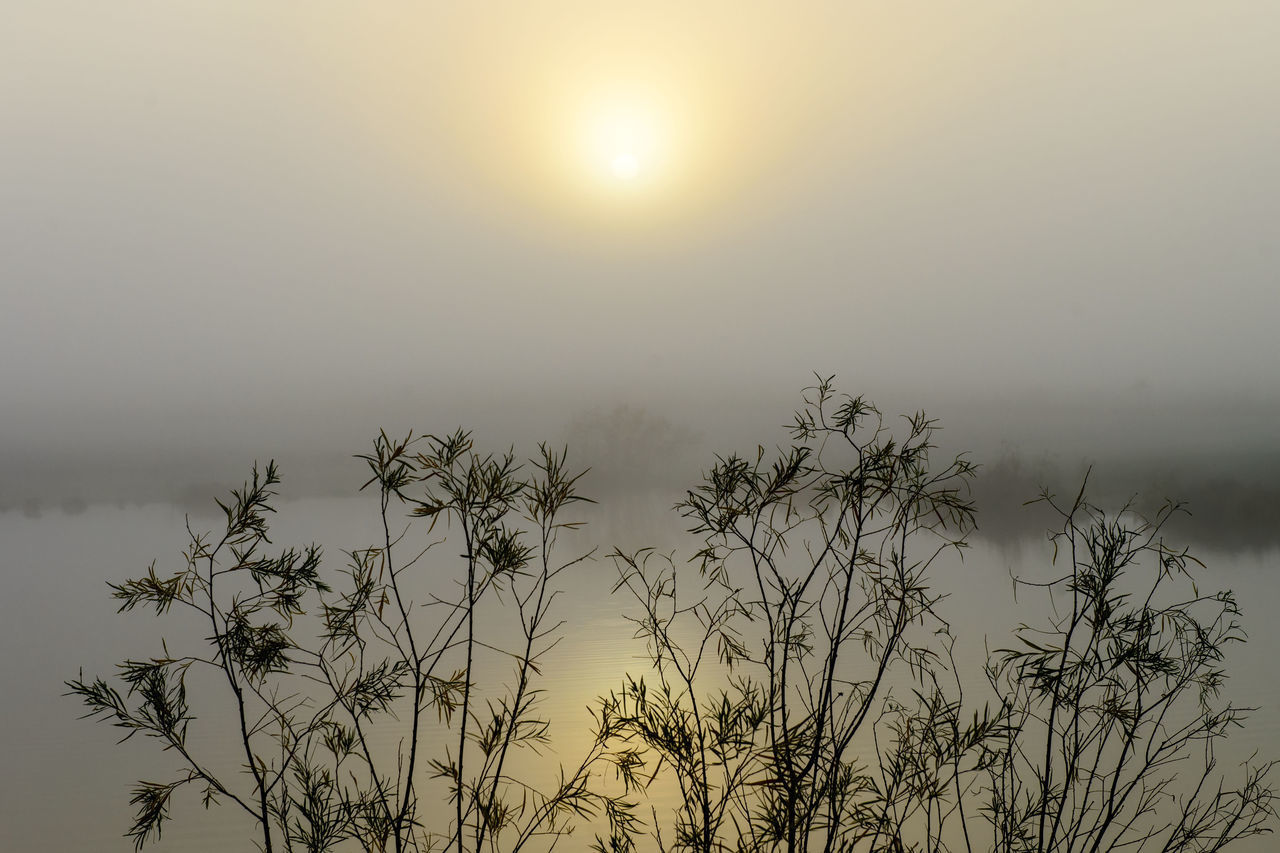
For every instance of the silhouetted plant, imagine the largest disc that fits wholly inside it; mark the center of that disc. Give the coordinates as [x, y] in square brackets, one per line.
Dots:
[804, 694]
[1112, 709]
[801, 695]
[248, 601]
[378, 659]
[309, 713]
[811, 590]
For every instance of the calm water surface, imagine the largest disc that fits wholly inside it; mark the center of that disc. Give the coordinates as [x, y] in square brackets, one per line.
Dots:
[65, 785]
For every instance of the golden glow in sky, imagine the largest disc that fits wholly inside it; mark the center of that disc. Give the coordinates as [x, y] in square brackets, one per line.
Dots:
[573, 121]
[627, 143]
[623, 138]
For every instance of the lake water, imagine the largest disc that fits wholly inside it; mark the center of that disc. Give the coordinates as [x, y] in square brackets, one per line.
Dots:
[65, 785]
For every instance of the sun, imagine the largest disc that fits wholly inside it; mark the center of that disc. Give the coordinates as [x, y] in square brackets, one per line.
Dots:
[626, 166]
[624, 138]
[625, 146]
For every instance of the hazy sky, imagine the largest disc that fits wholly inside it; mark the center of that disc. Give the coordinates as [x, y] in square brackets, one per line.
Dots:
[224, 220]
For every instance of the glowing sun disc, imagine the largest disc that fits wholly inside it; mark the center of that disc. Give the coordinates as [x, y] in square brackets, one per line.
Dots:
[625, 166]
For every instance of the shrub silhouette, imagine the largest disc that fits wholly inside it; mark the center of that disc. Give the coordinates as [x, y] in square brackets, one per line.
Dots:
[801, 693]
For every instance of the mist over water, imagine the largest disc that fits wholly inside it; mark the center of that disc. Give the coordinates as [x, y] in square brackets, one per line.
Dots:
[1217, 459]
